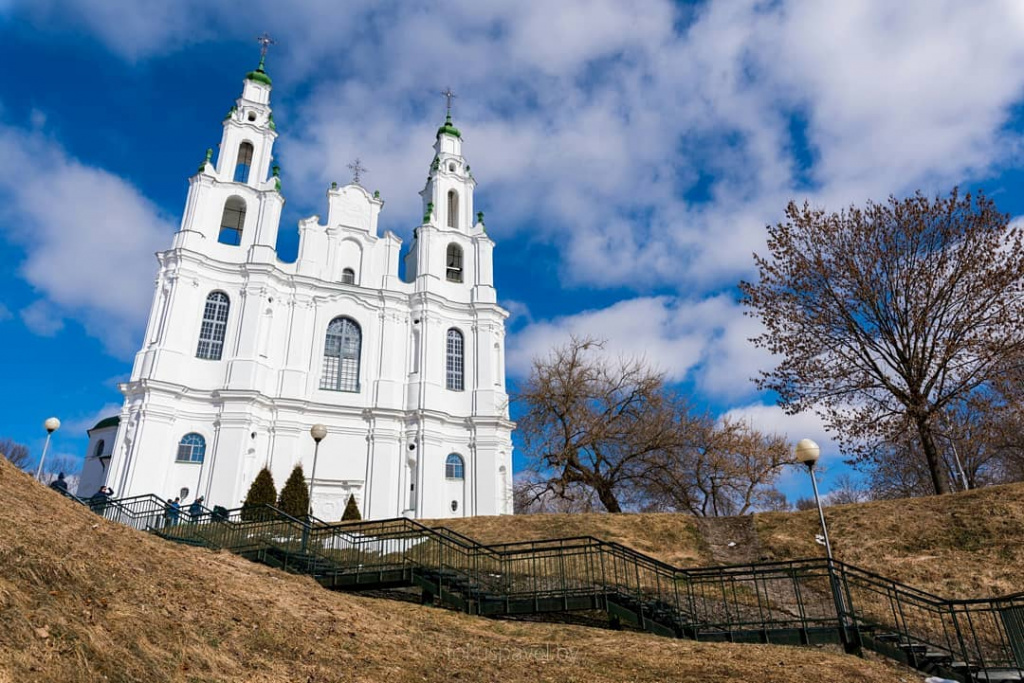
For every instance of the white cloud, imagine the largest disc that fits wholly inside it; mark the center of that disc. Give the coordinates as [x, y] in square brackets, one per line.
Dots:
[42, 319]
[77, 426]
[88, 239]
[5, 313]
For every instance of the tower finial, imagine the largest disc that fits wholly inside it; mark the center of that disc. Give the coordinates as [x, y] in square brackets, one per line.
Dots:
[449, 96]
[357, 168]
[265, 42]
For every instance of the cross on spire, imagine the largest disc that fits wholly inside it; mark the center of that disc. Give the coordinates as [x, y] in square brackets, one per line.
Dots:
[448, 95]
[357, 168]
[265, 42]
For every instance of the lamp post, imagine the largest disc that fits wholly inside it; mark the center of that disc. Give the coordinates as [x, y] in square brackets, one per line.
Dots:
[807, 453]
[318, 432]
[52, 424]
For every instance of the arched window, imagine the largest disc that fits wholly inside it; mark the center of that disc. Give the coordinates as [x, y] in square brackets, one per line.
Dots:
[191, 448]
[215, 322]
[99, 449]
[341, 356]
[453, 209]
[454, 359]
[348, 277]
[453, 467]
[454, 261]
[232, 222]
[243, 163]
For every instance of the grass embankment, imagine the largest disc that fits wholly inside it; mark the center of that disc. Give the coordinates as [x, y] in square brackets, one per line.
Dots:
[965, 545]
[83, 599]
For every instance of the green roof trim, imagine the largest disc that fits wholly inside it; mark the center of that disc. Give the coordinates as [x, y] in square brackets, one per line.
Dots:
[270, 122]
[429, 213]
[449, 129]
[107, 422]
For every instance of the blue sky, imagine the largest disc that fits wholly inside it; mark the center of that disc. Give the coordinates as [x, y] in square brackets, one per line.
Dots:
[628, 154]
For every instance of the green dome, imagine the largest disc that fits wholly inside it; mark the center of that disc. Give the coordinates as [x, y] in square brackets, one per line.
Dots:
[449, 129]
[107, 422]
[259, 75]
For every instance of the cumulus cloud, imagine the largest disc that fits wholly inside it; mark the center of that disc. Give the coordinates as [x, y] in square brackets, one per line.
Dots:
[88, 239]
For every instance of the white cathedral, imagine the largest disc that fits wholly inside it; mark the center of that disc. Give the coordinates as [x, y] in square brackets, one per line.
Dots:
[244, 352]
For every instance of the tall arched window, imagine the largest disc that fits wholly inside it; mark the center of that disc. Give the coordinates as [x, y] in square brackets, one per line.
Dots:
[454, 362]
[232, 221]
[454, 260]
[215, 322]
[348, 277]
[454, 467]
[341, 356]
[191, 448]
[99, 449]
[243, 163]
[453, 209]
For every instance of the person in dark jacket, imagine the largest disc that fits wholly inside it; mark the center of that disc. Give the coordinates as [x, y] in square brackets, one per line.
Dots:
[59, 484]
[195, 510]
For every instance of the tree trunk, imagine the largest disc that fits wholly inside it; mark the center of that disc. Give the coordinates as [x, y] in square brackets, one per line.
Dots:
[607, 498]
[935, 465]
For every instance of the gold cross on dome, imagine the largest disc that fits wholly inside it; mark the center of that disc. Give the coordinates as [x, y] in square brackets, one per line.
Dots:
[357, 168]
[448, 95]
[265, 42]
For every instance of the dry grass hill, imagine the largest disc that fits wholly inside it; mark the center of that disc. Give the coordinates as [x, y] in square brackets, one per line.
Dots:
[83, 599]
[965, 545]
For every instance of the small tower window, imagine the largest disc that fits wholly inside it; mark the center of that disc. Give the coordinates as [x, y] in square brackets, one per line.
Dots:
[454, 361]
[453, 209]
[451, 167]
[232, 222]
[244, 160]
[341, 356]
[191, 448]
[348, 277]
[252, 116]
[454, 261]
[99, 449]
[215, 322]
[454, 467]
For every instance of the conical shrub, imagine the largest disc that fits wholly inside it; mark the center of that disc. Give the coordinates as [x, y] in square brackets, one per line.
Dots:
[262, 492]
[351, 513]
[294, 498]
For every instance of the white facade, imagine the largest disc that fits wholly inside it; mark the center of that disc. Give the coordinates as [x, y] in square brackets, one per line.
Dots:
[251, 397]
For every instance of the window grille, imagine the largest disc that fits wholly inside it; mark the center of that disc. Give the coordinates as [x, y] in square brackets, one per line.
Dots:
[454, 467]
[454, 364]
[341, 356]
[191, 448]
[454, 261]
[215, 323]
[348, 277]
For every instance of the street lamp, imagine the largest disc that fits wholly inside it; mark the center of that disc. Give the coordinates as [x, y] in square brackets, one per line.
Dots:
[318, 432]
[52, 424]
[807, 452]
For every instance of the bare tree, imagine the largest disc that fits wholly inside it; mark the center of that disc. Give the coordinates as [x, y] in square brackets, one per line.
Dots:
[721, 468]
[17, 454]
[845, 490]
[590, 422]
[887, 315]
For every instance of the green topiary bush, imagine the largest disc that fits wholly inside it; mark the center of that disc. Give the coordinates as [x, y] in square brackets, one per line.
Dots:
[351, 511]
[262, 492]
[294, 498]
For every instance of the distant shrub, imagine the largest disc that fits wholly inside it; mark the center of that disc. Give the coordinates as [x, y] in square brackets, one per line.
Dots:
[351, 511]
[294, 498]
[262, 492]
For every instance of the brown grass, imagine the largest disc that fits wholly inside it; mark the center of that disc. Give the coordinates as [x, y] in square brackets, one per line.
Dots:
[83, 599]
[967, 545]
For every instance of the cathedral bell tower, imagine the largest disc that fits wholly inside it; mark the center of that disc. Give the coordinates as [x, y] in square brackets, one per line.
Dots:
[451, 252]
[234, 204]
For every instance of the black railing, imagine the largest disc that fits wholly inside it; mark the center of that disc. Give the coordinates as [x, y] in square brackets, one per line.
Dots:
[797, 601]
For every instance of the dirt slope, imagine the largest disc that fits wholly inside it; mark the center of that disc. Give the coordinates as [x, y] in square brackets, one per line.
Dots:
[964, 545]
[82, 599]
